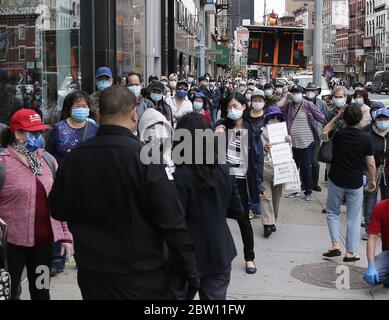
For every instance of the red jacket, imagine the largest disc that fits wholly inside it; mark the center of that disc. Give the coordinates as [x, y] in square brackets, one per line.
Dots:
[18, 201]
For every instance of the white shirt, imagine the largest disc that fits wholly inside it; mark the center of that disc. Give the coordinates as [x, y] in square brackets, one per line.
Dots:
[179, 111]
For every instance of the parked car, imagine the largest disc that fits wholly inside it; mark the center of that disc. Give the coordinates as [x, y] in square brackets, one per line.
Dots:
[381, 82]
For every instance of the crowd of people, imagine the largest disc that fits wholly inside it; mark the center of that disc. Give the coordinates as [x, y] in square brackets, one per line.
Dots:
[157, 231]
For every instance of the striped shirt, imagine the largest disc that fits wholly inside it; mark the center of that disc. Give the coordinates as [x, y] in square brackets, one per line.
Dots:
[235, 156]
[302, 136]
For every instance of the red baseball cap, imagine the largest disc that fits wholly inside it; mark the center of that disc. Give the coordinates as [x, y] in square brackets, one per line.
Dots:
[27, 120]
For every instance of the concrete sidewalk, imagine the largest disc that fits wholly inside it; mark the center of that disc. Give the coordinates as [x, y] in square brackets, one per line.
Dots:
[301, 239]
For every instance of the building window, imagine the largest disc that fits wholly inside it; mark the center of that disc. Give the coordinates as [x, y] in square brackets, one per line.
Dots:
[22, 53]
[22, 32]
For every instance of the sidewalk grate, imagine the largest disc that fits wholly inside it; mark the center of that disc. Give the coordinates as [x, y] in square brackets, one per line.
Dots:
[331, 275]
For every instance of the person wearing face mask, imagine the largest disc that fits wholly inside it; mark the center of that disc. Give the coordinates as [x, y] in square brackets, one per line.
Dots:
[213, 95]
[157, 97]
[269, 94]
[279, 93]
[28, 179]
[191, 80]
[248, 95]
[200, 105]
[247, 166]
[180, 103]
[359, 99]
[154, 128]
[379, 137]
[256, 117]
[270, 201]
[165, 81]
[75, 128]
[312, 92]
[301, 118]
[104, 80]
[122, 212]
[173, 81]
[339, 102]
[242, 87]
[134, 84]
[251, 85]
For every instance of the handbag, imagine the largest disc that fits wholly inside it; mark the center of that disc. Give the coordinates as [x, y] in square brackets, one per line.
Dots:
[5, 278]
[326, 152]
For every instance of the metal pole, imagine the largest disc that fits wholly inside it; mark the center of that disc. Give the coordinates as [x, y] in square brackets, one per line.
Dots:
[318, 42]
[268, 69]
[202, 40]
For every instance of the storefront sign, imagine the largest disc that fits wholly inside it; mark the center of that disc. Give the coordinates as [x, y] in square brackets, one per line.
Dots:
[223, 58]
[16, 10]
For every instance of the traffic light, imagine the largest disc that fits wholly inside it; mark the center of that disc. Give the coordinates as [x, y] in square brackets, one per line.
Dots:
[277, 47]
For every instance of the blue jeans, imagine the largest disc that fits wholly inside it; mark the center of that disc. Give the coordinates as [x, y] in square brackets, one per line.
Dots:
[382, 265]
[214, 113]
[354, 201]
[303, 159]
[58, 260]
[255, 207]
[370, 200]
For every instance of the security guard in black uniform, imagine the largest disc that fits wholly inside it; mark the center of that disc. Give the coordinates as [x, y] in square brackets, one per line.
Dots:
[121, 212]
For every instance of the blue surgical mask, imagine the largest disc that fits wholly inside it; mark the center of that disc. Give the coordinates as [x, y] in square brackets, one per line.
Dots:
[34, 142]
[340, 103]
[198, 106]
[383, 124]
[297, 97]
[181, 94]
[156, 97]
[136, 90]
[235, 115]
[103, 85]
[269, 93]
[80, 114]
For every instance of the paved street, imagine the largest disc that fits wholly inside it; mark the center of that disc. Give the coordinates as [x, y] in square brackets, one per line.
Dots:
[301, 239]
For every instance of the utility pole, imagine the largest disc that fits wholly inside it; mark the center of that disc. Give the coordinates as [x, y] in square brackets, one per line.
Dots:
[318, 43]
[268, 69]
[202, 40]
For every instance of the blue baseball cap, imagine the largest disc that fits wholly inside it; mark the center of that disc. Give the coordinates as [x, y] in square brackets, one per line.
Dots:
[103, 71]
[274, 111]
[382, 112]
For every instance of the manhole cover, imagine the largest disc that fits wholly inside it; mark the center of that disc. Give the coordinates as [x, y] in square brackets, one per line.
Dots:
[328, 275]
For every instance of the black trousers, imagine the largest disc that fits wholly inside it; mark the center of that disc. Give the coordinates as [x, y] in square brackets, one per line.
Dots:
[213, 286]
[95, 285]
[245, 226]
[31, 258]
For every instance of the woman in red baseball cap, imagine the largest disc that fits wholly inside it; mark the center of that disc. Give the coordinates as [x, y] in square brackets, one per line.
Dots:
[26, 178]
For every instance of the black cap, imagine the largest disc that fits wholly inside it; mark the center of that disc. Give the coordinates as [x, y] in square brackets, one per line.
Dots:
[297, 89]
[157, 85]
[212, 80]
[183, 82]
[268, 86]
[153, 77]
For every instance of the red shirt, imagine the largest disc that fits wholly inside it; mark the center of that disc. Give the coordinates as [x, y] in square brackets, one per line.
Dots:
[207, 116]
[379, 223]
[43, 231]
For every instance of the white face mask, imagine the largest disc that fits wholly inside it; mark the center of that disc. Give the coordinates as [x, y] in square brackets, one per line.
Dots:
[258, 106]
[268, 93]
[359, 101]
[248, 97]
[190, 79]
[279, 90]
[311, 95]
[297, 97]
[173, 84]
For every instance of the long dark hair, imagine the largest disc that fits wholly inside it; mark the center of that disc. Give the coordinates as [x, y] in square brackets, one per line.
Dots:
[230, 124]
[205, 173]
[70, 99]
[7, 138]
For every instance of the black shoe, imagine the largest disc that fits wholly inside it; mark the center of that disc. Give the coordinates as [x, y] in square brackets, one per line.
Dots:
[55, 270]
[317, 189]
[251, 270]
[332, 253]
[352, 259]
[324, 211]
[273, 228]
[267, 231]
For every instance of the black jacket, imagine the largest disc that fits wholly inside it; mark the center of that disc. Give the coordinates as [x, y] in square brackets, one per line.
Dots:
[206, 216]
[119, 210]
[378, 143]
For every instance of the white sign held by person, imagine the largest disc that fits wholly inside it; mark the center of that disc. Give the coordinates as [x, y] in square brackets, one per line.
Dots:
[277, 132]
[281, 153]
[283, 173]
